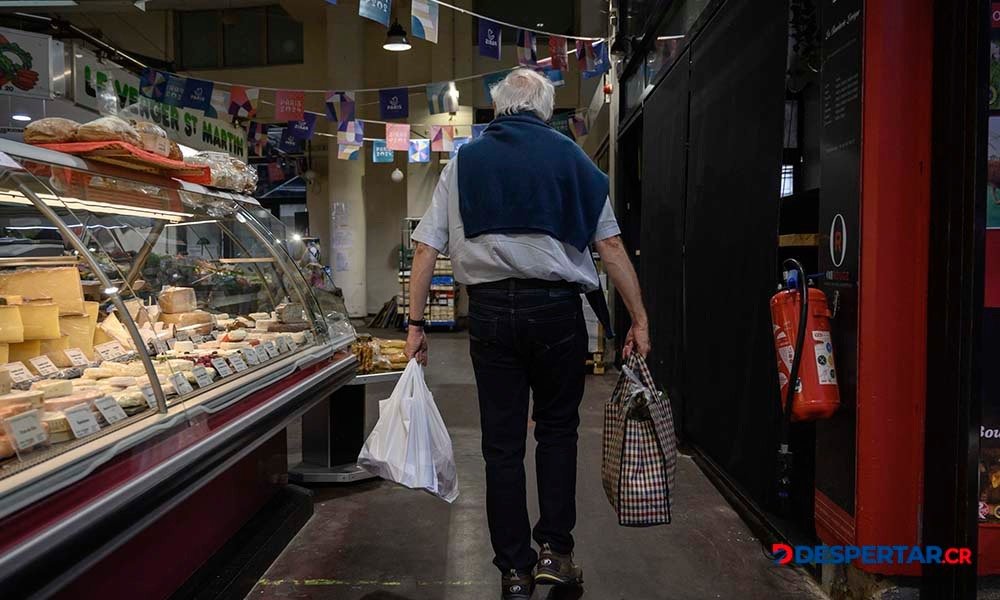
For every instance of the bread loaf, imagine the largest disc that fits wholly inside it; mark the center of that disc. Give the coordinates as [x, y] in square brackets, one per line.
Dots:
[108, 129]
[53, 130]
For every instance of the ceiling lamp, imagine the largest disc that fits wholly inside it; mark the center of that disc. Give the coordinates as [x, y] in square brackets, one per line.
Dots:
[395, 39]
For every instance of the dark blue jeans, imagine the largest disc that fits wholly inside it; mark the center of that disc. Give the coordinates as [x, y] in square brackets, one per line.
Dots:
[528, 341]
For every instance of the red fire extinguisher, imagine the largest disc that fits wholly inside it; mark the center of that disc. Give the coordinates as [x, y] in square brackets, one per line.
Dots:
[804, 350]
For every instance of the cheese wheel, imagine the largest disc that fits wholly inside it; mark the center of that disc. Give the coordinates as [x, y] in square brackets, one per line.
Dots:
[53, 388]
[41, 320]
[11, 326]
[62, 284]
[177, 300]
[123, 382]
[24, 351]
[31, 397]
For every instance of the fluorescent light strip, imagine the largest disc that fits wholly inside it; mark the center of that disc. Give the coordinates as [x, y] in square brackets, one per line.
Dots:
[15, 197]
[186, 223]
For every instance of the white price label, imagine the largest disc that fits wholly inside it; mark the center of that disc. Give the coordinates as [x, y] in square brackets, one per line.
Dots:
[147, 393]
[81, 420]
[272, 351]
[201, 376]
[222, 367]
[110, 409]
[282, 344]
[250, 355]
[77, 357]
[110, 350]
[44, 365]
[182, 336]
[18, 372]
[160, 346]
[26, 430]
[181, 384]
[171, 342]
[292, 345]
[238, 363]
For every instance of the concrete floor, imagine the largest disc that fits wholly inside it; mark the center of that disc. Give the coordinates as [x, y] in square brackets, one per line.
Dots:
[379, 541]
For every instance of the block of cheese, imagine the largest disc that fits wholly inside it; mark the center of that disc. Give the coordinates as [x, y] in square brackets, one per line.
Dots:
[6, 382]
[56, 421]
[184, 346]
[31, 397]
[291, 312]
[265, 324]
[62, 284]
[234, 345]
[78, 397]
[41, 320]
[259, 315]
[176, 300]
[79, 332]
[11, 299]
[11, 326]
[25, 350]
[53, 388]
[186, 319]
[120, 381]
[55, 351]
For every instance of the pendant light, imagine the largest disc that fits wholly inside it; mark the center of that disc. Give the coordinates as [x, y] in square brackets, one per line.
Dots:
[395, 39]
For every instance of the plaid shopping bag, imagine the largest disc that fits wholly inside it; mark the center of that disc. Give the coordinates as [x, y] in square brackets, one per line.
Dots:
[640, 448]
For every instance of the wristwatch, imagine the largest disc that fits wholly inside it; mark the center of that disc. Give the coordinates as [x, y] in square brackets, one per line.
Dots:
[421, 323]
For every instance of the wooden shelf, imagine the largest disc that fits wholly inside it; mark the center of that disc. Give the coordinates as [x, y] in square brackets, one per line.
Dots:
[798, 240]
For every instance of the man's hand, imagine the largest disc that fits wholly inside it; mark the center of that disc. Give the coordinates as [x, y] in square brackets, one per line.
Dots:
[637, 340]
[416, 345]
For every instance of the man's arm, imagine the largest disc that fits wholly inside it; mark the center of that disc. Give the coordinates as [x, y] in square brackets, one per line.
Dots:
[424, 259]
[622, 274]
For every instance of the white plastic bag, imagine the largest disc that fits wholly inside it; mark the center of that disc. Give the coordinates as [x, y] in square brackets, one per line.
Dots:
[410, 444]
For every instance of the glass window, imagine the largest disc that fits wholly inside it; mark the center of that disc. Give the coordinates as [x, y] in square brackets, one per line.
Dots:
[284, 37]
[671, 35]
[198, 36]
[243, 31]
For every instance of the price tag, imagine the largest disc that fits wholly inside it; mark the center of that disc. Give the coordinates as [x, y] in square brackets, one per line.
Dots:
[147, 393]
[81, 420]
[181, 384]
[250, 356]
[110, 350]
[182, 336]
[18, 372]
[222, 367]
[109, 408]
[198, 339]
[201, 376]
[44, 365]
[291, 344]
[238, 363]
[269, 347]
[160, 346]
[77, 357]
[282, 344]
[171, 343]
[26, 430]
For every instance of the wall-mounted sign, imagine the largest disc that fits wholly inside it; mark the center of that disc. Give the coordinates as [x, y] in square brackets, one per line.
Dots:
[31, 65]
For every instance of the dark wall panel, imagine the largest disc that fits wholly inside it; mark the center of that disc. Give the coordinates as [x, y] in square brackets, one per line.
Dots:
[664, 191]
[737, 103]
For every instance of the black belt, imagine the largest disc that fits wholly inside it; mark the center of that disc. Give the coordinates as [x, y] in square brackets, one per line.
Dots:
[525, 284]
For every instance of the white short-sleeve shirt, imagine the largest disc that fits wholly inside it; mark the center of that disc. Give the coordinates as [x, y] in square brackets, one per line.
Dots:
[494, 257]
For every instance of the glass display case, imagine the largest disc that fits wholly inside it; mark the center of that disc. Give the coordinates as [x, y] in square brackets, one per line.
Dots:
[133, 305]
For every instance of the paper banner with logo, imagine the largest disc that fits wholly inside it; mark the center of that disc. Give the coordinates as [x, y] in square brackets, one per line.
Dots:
[153, 84]
[243, 101]
[381, 152]
[397, 137]
[174, 93]
[442, 138]
[458, 143]
[289, 143]
[601, 63]
[275, 172]
[491, 80]
[585, 57]
[303, 129]
[394, 103]
[376, 10]
[289, 105]
[340, 106]
[351, 133]
[559, 53]
[477, 130]
[348, 152]
[198, 94]
[527, 48]
[442, 98]
[490, 35]
[219, 105]
[556, 77]
[424, 20]
[420, 151]
[578, 125]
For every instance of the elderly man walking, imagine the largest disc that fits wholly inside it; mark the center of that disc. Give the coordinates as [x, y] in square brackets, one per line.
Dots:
[516, 212]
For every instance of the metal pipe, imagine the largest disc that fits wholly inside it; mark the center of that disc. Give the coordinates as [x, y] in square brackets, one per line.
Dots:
[126, 318]
[147, 248]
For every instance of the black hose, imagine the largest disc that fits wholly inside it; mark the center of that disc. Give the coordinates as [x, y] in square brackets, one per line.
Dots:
[784, 478]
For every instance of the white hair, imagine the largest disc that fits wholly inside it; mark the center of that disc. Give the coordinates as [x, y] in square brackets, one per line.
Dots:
[524, 90]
